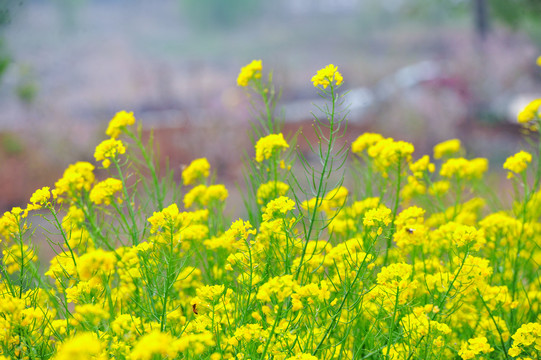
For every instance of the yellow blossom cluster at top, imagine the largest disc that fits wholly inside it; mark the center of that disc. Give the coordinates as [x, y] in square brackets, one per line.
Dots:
[530, 112]
[103, 191]
[517, 163]
[463, 168]
[107, 150]
[269, 145]
[118, 122]
[249, 72]
[197, 170]
[446, 148]
[329, 74]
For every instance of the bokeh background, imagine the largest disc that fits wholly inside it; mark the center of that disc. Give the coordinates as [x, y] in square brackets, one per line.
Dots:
[418, 70]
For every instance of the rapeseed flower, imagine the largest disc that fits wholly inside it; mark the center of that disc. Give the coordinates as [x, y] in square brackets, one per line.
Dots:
[365, 141]
[118, 123]
[474, 347]
[517, 163]
[152, 344]
[107, 150]
[271, 190]
[530, 112]
[447, 148]
[526, 341]
[83, 346]
[269, 145]
[168, 218]
[326, 76]
[422, 166]
[103, 192]
[40, 198]
[278, 207]
[388, 152]
[249, 72]
[77, 178]
[464, 169]
[197, 170]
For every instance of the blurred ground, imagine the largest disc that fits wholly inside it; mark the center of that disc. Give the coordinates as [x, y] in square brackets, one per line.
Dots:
[74, 68]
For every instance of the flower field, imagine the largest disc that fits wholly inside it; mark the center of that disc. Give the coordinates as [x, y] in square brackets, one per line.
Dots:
[413, 262]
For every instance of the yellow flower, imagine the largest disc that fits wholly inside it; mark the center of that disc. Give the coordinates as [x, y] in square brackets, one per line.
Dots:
[89, 314]
[39, 199]
[538, 61]
[249, 72]
[94, 263]
[364, 141]
[466, 169]
[77, 177]
[195, 195]
[278, 206]
[280, 286]
[526, 341]
[301, 356]
[475, 346]
[83, 346]
[118, 122]
[326, 76]
[154, 343]
[269, 145]
[16, 256]
[271, 190]
[446, 148]
[204, 195]
[388, 152]
[377, 217]
[421, 166]
[10, 222]
[517, 163]
[168, 218]
[530, 112]
[104, 191]
[198, 169]
[108, 149]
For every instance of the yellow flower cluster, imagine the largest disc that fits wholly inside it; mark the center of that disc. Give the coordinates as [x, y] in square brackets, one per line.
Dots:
[84, 346]
[271, 190]
[16, 257]
[385, 152]
[475, 347]
[527, 341]
[278, 207]
[119, 122]
[530, 112]
[326, 76]
[204, 195]
[168, 218]
[464, 169]
[517, 163]
[422, 166]
[103, 192]
[446, 148]
[365, 141]
[378, 217]
[107, 150]
[269, 145]
[39, 199]
[77, 178]
[250, 72]
[197, 170]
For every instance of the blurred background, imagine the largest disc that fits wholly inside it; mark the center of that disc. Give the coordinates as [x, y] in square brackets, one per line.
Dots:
[418, 70]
